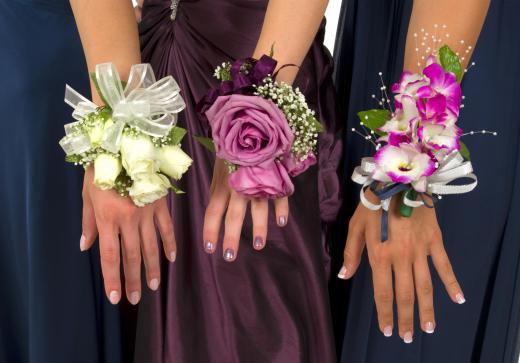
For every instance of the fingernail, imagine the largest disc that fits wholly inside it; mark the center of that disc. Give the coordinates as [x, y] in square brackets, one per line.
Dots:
[342, 274]
[460, 298]
[113, 297]
[229, 255]
[82, 242]
[429, 327]
[408, 337]
[258, 243]
[208, 246]
[282, 221]
[387, 331]
[154, 284]
[173, 256]
[134, 297]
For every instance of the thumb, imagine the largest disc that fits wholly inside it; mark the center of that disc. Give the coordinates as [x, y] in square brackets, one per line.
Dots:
[353, 250]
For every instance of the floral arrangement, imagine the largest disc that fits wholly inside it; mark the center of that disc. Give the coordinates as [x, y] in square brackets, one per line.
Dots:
[132, 141]
[418, 147]
[263, 129]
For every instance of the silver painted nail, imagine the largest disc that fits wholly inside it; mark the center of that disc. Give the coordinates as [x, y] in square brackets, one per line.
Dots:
[258, 243]
[229, 255]
[208, 246]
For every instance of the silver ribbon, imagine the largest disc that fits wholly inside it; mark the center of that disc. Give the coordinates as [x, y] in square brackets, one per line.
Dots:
[150, 106]
[451, 168]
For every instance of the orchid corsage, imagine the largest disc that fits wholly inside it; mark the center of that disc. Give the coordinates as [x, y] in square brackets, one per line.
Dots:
[132, 142]
[263, 129]
[419, 154]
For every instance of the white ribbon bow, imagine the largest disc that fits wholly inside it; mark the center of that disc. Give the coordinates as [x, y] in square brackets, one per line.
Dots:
[149, 105]
[453, 167]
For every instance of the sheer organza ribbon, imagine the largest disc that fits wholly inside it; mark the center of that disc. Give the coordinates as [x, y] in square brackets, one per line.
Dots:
[452, 168]
[150, 106]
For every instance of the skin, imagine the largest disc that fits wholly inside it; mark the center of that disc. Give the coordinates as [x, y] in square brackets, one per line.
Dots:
[291, 26]
[108, 32]
[412, 240]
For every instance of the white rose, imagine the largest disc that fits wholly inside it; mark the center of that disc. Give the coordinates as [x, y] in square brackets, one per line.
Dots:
[138, 155]
[149, 188]
[96, 133]
[173, 161]
[106, 170]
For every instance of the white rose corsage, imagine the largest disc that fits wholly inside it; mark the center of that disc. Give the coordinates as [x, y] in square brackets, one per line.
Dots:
[132, 141]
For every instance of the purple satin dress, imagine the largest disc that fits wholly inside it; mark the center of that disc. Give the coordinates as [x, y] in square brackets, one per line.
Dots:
[268, 306]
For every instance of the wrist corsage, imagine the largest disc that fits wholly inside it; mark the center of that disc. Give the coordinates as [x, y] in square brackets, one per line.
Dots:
[264, 130]
[132, 141]
[419, 154]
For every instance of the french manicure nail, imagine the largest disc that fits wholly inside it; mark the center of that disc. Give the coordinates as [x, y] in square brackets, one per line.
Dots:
[387, 331]
[408, 337]
[113, 297]
[134, 297]
[258, 243]
[208, 246]
[154, 284]
[342, 274]
[82, 241]
[173, 256]
[282, 221]
[229, 255]
[429, 327]
[460, 298]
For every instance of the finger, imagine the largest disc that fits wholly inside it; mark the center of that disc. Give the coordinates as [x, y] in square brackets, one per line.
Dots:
[424, 289]
[150, 249]
[404, 290]
[233, 225]
[259, 213]
[132, 261]
[444, 269]
[281, 207]
[353, 250]
[89, 228]
[110, 260]
[213, 218]
[165, 226]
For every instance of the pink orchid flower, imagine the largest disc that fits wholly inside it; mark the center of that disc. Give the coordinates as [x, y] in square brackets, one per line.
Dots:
[439, 137]
[442, 83]
[408, 85]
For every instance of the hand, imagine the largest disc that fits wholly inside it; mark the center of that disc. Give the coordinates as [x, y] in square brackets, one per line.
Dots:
[114, 216]
[405, 253]
[222, 198]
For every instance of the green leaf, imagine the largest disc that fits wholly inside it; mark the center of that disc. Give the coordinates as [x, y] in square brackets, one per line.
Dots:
[317, 125]
[96, 84]
[271, 53]
[206, 142]
[374, 119]
[177, 190]
[464, 151]
[177, 134]
[450, 62]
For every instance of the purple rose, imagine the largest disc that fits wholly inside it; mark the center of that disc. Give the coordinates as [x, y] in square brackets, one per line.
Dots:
[248, 130]
[266, 180]
[295, 167]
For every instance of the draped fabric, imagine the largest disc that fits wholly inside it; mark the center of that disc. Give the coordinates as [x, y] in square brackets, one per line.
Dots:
[52, 305]
[481, 229]
[268, 306]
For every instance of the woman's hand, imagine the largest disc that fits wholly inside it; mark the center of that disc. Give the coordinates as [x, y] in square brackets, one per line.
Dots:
[405, 253]
[224, 198]
[114, 216]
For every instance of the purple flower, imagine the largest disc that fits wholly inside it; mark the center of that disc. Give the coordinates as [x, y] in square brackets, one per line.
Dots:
[408, 85]
[442, 83]
[438, 137]
[295, 167]
[248, 130]
[434, 109]
[266, 180]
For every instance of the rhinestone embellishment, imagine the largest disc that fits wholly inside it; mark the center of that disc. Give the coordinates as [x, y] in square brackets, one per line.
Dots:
[174, 7]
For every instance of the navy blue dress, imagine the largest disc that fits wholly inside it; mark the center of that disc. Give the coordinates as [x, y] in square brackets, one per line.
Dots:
[52, 305]
[481, 229]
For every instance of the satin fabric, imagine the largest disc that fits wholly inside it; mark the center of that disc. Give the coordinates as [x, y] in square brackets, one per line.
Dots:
[480, 229]
[52, 305]
[268, 306]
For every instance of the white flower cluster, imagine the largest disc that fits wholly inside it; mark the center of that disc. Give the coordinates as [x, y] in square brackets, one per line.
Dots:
[223, 72]
[300, 117]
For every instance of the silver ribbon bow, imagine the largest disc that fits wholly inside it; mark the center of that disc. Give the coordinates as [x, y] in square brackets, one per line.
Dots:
[451, 168]
[150, 106]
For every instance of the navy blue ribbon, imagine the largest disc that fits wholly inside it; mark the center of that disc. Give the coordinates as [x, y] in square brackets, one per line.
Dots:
[384, 194]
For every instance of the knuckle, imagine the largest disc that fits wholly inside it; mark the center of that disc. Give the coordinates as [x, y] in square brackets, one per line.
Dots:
[348, 255]
[425, 289]
[427, 311]
[167, 229]
[213, 210]
[452, 284]
[133, 256]
[109, 255]
[384, 297]
[406, 298]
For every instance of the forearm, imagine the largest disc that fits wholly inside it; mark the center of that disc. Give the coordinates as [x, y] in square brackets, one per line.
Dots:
[290, 25]
[463, 20]
[108, 32]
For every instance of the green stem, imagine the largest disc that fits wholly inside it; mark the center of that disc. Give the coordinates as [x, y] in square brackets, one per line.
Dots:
[406, 211]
